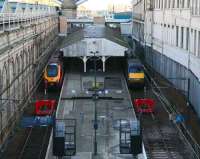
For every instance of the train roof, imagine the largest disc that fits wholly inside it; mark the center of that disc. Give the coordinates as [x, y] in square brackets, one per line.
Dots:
[55, 58]
[134, 62]
[53, 64]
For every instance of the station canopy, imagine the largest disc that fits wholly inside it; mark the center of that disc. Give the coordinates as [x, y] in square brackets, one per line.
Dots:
[71, 3]
[94, 38]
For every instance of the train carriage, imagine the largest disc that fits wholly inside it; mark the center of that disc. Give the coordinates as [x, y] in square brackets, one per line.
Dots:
[135, 73]
[53, 73]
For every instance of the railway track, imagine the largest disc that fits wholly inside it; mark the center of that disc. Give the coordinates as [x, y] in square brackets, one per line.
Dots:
[158, 143]
[34, 146]
[161, 138]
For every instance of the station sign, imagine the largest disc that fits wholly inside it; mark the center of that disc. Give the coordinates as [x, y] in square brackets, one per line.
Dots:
[36, 121]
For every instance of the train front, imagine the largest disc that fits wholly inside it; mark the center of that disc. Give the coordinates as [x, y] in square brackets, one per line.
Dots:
[136, 75]
[53, 75]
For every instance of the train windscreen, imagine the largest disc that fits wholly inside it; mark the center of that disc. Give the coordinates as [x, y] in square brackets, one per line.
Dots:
[52, 70]
[135, 69]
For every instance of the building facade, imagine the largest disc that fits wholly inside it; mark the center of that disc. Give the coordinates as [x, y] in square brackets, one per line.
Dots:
[138, 21]
[171, 31]
[28, 36]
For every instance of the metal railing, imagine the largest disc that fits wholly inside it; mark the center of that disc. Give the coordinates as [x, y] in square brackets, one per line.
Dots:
[9, 21]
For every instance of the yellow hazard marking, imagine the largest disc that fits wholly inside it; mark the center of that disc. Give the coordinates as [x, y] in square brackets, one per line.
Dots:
[136, 75]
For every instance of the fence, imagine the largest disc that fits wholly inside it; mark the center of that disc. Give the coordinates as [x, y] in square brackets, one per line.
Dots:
[9, 21]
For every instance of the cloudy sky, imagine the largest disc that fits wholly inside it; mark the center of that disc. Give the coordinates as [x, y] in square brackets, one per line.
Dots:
[102, 4]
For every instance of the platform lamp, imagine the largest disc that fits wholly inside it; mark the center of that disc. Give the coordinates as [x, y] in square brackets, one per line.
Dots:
[73, 95]
[95, 98]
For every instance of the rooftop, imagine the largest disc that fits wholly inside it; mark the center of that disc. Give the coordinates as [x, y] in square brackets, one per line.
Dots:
[94, 31]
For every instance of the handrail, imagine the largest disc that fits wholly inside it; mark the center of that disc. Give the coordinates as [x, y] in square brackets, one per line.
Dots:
[13, 20]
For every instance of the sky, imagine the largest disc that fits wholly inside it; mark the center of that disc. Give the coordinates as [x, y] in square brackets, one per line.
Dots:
[102, 4]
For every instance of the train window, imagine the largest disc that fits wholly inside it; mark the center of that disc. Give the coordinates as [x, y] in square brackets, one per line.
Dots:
[52, 70]
[136, 69]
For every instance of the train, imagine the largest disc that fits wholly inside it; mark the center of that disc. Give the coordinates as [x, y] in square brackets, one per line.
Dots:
[135, 75]
[54, 72]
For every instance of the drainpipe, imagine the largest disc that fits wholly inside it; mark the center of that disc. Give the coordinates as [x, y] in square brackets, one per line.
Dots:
[189, 60]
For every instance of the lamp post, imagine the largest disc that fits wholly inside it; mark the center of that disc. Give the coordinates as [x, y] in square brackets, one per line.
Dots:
[95, 98]
[188, 92]
[73, 95]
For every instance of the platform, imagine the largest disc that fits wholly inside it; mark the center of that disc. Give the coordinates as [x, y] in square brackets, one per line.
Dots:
[109, 113]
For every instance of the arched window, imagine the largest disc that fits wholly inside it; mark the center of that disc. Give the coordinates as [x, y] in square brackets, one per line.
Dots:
[26, 73]
[21, 62]
[12, 77]
[1, 84]
[29, 54]
[5, 81]
[17, 83]
[21, 75]
[26, 54]
[11, 69]
[32, 53]
[5, 94]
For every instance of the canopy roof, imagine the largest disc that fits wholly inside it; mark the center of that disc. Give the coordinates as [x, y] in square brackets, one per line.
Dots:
[94, 38]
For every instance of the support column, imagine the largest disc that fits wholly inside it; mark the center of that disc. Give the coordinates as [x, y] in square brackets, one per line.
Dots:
[85, 63]
[63, 25]
[69, 8]
[104, 63]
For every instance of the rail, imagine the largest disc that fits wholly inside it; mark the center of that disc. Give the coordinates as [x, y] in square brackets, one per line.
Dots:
[34, 144]
[173, 111]
[166, 147]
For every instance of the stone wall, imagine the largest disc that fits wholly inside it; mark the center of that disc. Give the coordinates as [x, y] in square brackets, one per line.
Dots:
[24, 52]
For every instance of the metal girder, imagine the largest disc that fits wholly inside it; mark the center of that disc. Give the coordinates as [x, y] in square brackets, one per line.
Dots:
[78, 2]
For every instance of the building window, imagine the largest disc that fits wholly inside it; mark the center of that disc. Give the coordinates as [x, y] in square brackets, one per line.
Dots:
[193, 7]
[195, 41]
[199, 45]
[169, 4]
[182, 37]
[177, 3]
[177, 36]
[160, 3]
[172, 36]
[169, 34]
[187, 39]
[183, 3]
[196, 7]
[191, 41]
[173, 3]
[188, 3]
[165, 4]
[156, 3]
